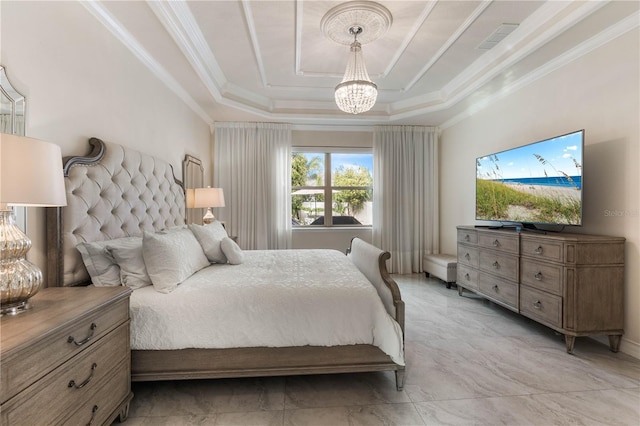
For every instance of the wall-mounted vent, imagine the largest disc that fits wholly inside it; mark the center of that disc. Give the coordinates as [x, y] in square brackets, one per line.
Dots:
[497, 36]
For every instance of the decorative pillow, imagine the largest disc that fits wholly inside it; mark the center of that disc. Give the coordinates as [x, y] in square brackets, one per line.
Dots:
[128, 256]
[209, 236]
[232, 250]
[102, 267]
[171, 258]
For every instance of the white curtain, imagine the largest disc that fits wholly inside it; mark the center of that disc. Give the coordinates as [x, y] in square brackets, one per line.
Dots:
[252, 165]
[405, 195]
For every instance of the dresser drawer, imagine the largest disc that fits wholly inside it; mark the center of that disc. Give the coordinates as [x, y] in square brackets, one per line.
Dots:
[45, 355]
[467, 277]
[499, 290]
[468, 236]
[542, 249]
[501, 242]
[73, 383]
[540, 306]
[468, 256]
[542, 276]
[499, 264]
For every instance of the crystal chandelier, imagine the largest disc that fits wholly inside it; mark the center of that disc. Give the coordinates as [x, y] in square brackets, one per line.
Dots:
[356, 93]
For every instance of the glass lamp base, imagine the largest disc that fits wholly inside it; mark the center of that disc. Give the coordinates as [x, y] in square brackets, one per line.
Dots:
[208, 217]
[15, 308]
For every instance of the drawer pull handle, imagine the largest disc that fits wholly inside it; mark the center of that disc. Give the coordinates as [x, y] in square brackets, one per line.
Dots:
[496, 288]
[94, 410]
[496, 265]
[537, 305]
[539, 250]
[467, 237]
[72, 339]
[72, 383]
[467, 277]
[496, 243]
[538, 276]
[467, 256]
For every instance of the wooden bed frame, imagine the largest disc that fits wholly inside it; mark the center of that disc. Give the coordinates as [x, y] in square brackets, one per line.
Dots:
[65, 268]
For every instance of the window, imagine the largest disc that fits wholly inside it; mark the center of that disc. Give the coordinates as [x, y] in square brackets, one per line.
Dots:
[331, 188]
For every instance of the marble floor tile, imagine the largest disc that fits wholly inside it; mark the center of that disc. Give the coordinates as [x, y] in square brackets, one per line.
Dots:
[469, 361]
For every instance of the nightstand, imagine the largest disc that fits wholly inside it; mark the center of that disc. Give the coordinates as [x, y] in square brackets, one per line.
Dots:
[67, 359]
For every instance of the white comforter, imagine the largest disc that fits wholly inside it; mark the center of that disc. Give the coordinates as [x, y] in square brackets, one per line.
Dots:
[276, 298]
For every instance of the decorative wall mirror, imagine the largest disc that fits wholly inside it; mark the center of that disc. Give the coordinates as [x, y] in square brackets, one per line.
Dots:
[192, 177]
[13, 110]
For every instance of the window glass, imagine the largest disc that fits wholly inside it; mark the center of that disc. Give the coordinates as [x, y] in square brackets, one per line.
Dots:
[345, 190]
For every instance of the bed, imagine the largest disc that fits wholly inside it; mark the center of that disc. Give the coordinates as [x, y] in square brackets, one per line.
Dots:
[115, 192]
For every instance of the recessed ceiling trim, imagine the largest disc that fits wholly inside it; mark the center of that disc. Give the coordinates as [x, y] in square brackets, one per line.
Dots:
[257, 53]
[117, 29]
[455, 36]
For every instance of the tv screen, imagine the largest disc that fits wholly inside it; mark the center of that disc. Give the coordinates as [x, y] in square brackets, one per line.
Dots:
[539, 183]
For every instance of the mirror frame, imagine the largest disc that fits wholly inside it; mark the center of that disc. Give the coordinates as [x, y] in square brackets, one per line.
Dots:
[192, 177]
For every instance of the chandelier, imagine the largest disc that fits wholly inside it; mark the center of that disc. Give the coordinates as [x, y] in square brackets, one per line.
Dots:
[344, 24]
[356, 93]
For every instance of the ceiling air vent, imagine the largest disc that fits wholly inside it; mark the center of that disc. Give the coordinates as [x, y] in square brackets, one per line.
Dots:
[497, 36]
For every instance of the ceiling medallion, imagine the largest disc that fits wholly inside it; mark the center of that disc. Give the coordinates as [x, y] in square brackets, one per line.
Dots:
[354, 24]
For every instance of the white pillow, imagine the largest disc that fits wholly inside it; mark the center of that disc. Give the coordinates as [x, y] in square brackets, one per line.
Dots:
[128, 256]
[171, 258]
[102, 267]
[210, 236]
[232, 250]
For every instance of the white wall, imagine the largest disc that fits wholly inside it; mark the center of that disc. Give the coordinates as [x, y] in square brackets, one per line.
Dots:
[599, 92]
[80, 82]
[338, 239]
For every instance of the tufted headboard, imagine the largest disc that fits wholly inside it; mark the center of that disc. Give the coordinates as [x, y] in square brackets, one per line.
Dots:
[112, 192]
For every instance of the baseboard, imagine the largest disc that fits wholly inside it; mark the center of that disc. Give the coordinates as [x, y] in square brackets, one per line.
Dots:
[627, 346]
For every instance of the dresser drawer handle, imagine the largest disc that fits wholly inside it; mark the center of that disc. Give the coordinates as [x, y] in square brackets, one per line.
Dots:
[72, 339]
[94, 410]
[496, 265]
[467, 256]
[539, 250]
[496, 288]
[467, 237]
[72, 383]
[538, 276]
[496, 243]
[467, 277]
[537, 305]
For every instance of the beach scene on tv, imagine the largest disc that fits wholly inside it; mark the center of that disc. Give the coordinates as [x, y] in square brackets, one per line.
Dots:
[536, 183]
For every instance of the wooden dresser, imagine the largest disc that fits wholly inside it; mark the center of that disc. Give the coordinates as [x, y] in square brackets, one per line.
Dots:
[67, 360]
[572, 283]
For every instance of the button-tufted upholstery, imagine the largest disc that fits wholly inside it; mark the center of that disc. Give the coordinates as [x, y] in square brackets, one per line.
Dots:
[124, 194]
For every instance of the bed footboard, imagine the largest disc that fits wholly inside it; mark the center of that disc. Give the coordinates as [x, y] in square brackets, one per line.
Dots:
[371, 261]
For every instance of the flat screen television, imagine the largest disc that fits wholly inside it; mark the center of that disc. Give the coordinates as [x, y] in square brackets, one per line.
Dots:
[535, 184]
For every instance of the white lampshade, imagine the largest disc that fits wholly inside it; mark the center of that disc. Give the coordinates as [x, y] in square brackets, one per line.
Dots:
[30, 172]
[208, 197]
[190, 194]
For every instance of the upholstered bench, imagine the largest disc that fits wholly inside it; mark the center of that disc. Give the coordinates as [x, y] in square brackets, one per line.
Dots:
[442, 266]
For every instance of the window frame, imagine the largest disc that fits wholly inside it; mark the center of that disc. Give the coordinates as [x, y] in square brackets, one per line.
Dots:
[329, 188]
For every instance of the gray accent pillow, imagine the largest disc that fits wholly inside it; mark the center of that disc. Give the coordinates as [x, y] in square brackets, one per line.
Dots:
[232, 250]
[171, 258]
[102, 267]
[128, 256]
[210, 236]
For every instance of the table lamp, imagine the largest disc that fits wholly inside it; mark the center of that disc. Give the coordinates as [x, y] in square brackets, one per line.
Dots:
[30, 175]
[207, 198]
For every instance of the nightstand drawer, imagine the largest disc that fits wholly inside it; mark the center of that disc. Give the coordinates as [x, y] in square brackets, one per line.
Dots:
[505, 292]
[74, 382]
[467, 277]
[468, 256]
[543, 307]
[542, 276]
[467, 236]
[45, 355]
[499, 264]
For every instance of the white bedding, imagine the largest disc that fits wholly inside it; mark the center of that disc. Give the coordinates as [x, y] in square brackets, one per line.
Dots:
[276, 298]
